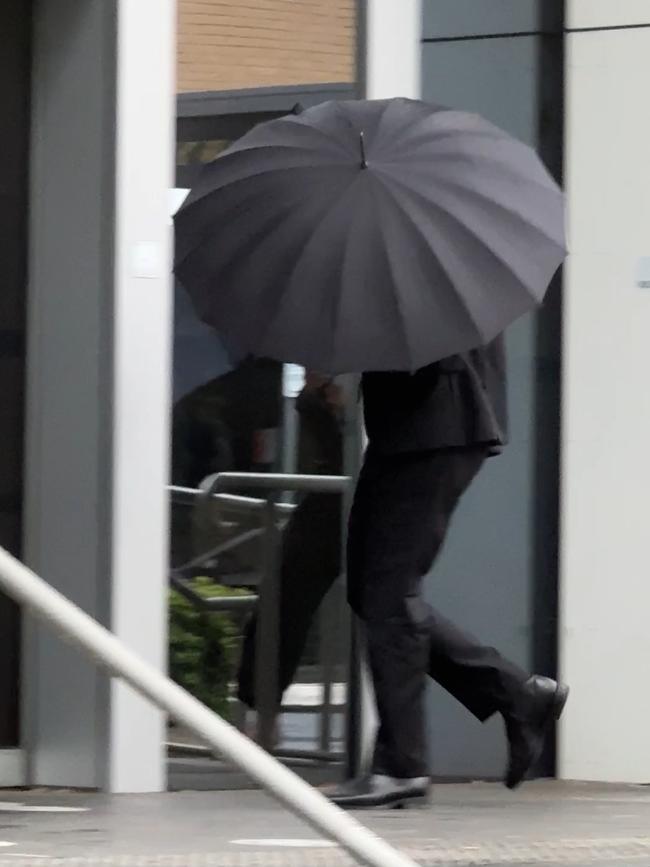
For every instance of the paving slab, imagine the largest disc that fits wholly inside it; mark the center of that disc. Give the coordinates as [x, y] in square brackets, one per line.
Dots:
[544, 823]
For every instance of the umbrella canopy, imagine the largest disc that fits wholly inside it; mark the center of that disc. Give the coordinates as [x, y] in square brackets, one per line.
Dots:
[199, 354]
[370, 235]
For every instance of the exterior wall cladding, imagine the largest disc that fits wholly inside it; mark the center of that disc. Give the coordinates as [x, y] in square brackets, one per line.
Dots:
[238, 44]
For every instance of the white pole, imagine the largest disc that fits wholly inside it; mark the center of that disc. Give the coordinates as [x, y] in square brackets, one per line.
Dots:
[77, 627]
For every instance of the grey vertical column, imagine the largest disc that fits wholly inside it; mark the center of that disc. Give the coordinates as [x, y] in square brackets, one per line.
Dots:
[98, 363]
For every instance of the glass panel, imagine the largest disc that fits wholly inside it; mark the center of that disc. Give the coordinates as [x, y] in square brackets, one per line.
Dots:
[254, 416]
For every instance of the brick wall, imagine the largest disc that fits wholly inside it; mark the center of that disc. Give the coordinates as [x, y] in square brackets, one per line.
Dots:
[232, 44]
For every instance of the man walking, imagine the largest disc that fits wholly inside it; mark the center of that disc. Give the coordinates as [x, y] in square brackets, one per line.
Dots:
[429, 434]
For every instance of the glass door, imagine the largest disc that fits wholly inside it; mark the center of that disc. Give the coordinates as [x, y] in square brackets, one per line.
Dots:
[259, 625]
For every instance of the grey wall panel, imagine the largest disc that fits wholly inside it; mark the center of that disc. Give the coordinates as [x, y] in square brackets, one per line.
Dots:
[496, 77]
[453, 18]
[490, 578]
[67, 494]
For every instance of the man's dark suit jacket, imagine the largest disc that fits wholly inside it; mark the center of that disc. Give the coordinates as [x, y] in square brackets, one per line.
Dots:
[458, 402]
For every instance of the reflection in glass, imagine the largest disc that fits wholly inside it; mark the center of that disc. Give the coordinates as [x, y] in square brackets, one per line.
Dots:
[252, 415]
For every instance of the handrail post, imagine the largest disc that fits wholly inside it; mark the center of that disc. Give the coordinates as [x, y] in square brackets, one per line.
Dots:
[268, 636]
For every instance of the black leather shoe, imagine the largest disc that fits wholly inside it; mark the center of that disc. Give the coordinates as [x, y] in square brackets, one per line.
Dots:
[528, 724]
[380, 791]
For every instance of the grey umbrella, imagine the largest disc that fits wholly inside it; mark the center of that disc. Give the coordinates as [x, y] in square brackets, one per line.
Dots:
[370, 235]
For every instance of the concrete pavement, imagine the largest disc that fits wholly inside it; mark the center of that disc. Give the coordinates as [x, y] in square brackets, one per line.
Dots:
[544, 823]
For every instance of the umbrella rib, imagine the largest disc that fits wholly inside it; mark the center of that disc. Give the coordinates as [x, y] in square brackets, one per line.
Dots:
[337, 302]
[484, 131]
[289, 281]
[210, 228]
[208, 236]
[302, 118]
[194, 200]
[396, 295]
[546, 183]
[463, 226]
[349, 246]
[471, 191]
[463, 303]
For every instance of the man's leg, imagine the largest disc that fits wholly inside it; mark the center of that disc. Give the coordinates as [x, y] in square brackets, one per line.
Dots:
[483, 680]
[399, 523]
[383, 583]
[478, 675]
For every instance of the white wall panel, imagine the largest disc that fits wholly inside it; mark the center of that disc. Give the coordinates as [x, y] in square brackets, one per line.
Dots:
[605, 580]
[393, 33]
[607, 13]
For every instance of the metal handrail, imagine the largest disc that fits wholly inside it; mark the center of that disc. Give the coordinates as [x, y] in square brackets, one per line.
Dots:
[280, 482]
[73, 624]
[188, 496]
[221, 548]
[183, 750]
[268, 598]
[268, 630]
[191, 496]
[235, 604]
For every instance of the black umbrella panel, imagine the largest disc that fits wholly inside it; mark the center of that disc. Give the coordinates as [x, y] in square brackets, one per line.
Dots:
[370, 235]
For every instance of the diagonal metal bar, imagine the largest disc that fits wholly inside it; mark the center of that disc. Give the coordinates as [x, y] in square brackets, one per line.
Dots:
[80, 629]
[222, 548]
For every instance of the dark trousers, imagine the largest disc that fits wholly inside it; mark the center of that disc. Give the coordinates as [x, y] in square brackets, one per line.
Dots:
[310, 563]
[400, 517]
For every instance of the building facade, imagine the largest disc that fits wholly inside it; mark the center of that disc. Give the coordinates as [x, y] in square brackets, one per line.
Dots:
[557, 576]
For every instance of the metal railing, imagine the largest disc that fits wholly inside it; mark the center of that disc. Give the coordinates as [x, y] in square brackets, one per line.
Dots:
[266, 656]
[77, 627]
[268, 600]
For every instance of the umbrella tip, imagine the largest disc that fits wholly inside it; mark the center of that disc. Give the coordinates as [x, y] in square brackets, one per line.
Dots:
[362, 145]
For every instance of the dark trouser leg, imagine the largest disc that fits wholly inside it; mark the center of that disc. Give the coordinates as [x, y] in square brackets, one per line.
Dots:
[311, 560]
[399, 521]
[483, 680]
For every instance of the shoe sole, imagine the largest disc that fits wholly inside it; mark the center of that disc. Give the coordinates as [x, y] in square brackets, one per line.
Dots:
[411, 802]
